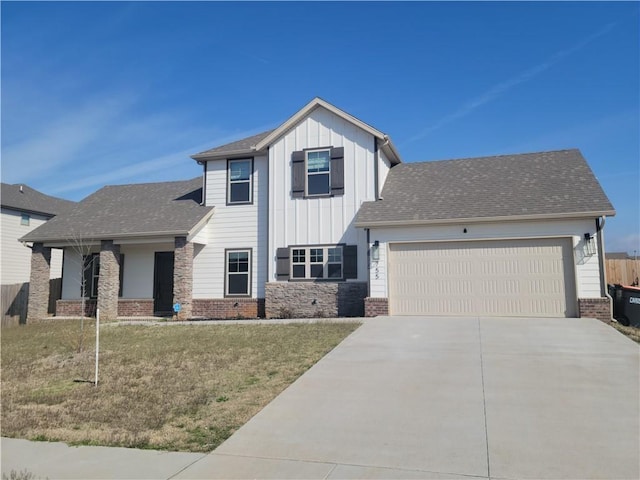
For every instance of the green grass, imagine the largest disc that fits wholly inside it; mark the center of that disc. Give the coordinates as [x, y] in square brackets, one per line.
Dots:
[185, 388]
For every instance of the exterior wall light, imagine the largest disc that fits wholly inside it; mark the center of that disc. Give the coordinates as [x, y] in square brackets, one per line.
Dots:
[589, 244]
[375, 251]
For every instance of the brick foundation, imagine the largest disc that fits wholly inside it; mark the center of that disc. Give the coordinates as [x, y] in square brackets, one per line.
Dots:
[599, 308]
[228, 308]
[314, 299]
[72, 308]
[129, 307]
[374, 307]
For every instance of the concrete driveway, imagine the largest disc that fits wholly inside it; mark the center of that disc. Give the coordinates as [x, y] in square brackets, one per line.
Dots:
[403, 398]
[451, 398]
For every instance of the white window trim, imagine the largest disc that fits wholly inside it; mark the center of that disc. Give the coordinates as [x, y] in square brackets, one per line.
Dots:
[307, 262]
[249, 181]
[306, 173]
[227, 272]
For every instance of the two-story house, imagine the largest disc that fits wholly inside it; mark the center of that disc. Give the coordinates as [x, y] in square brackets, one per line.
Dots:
[23, 210]
[320, 217]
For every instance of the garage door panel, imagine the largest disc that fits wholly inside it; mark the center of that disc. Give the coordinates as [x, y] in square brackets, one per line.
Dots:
[510, 277]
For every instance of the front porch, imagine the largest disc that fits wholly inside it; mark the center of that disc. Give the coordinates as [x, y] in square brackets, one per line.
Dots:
[154, 277]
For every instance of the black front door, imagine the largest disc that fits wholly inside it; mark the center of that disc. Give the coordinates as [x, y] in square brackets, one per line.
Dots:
[163, 283]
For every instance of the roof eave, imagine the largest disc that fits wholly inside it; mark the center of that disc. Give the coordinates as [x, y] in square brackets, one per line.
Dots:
[510, 218]
[200, 157]
[116, 236]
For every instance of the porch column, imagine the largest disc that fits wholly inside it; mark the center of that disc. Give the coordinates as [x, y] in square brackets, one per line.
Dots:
[183, 276]
[109, 280]
[39, 282]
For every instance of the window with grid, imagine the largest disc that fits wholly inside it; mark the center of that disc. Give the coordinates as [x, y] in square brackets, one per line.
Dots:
[318, 172]
[317, 263]
[239, 186]
[238, 281]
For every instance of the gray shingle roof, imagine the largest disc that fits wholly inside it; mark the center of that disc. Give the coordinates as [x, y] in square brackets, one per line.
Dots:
[532, 184]
[147, 209]
[28, 199]
[239, 146]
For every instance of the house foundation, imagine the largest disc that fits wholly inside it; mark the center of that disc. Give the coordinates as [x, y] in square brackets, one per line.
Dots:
[314, 299]
[599, 308]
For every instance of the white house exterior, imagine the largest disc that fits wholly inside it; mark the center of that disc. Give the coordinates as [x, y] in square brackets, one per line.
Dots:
[320, 217]
[23, 210]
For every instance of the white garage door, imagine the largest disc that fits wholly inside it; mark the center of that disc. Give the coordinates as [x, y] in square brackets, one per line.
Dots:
[502, 278]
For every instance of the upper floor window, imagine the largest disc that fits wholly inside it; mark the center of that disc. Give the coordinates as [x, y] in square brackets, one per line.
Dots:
[317, 172]
[25, 219]
[239, 185]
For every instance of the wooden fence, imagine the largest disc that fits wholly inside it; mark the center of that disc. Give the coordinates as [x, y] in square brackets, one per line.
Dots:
[14, 300]
[623, 272]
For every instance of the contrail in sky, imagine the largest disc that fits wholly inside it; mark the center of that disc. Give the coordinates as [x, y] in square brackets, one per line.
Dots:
[501, 88]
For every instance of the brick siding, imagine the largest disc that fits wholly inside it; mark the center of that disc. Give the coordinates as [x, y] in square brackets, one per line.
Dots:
[374, 307]
[72, 308]
[128, 307]
[228, 308]
[599, 308]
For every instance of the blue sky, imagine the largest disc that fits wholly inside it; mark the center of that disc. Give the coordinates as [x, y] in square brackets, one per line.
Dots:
[117, 92]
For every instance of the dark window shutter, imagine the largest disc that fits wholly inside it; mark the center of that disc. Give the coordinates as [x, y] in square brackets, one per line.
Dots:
[297, 174]
[337, 171]
[350, 259]
[88, 267]
[282, 264]
[121, 274]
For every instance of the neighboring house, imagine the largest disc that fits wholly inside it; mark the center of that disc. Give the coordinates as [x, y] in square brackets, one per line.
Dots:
[320, 217]
[23, 210]
[618, 256]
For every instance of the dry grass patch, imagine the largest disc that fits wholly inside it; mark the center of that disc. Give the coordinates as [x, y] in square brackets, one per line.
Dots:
[170, 387]
[632, 332]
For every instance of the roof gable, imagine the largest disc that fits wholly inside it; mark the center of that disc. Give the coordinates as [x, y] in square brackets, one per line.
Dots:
[534, 185]
[257, 143]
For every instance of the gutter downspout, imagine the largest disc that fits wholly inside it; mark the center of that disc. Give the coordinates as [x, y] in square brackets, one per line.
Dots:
[601, 260]
[376, 182]
[368, 263]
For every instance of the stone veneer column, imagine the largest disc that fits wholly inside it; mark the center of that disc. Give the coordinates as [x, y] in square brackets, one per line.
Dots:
[109, 280]
[39, 282]
[183, 277]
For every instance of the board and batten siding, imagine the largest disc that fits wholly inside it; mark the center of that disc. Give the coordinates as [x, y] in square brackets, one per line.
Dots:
[384, 165]
[232, 227]
[15, 257]
[587, 274]
[327, 220]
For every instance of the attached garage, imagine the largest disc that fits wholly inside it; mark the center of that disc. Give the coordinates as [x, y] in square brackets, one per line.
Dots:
[512, 235]
[532, 277]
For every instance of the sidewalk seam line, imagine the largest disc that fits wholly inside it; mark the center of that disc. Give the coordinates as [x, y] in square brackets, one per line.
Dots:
[204, 455]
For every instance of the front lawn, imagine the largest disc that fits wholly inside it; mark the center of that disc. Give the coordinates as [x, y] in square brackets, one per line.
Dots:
[172, 387]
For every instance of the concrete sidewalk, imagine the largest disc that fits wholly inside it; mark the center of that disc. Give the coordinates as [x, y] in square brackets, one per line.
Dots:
[446, 398]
